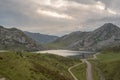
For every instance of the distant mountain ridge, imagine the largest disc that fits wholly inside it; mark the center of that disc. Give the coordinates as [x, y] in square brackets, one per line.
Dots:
[41, 38]
[15, 39]
[107, 35]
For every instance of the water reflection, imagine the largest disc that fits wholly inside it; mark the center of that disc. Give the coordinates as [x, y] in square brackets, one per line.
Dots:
[64, 53]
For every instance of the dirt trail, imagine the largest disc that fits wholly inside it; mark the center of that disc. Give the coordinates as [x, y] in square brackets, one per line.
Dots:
[69, 69]
[2, 79]
[88, 69]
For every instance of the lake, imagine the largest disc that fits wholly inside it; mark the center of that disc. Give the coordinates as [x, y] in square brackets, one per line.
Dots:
[64, 53]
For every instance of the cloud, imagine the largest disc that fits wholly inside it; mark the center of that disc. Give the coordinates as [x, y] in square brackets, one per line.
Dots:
[62, 16]
[53, 14]
[111, 11]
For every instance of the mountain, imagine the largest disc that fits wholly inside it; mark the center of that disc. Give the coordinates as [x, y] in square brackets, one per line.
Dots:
[16, 39]
[103, 37]
[106, 35]
[41, 38]
[67, 40]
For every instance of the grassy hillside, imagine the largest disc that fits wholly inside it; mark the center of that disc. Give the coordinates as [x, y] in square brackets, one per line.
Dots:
[80, 71]
[29, 66]
[107, 66]
[67, 40]
[54, 45]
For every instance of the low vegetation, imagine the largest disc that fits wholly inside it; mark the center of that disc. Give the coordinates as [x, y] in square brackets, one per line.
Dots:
[107, 66]
[30, 66]
[80, 71]
[54, 45]
[97, 73]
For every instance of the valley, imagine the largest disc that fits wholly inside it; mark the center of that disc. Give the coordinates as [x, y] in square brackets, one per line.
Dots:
[59, 39]
[70, 57]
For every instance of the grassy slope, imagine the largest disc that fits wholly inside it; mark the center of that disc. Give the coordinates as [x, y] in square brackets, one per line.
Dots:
[35, 66]
[95, 70]
[63, 43]
[80, 71]
[109, 64]
[55, 45]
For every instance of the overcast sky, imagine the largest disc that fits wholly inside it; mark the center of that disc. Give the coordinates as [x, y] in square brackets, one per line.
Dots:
[58, 17]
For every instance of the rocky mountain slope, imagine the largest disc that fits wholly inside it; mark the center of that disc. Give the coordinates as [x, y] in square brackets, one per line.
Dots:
[41, 38]
[70, 40]
[107, 35]
[16, 39]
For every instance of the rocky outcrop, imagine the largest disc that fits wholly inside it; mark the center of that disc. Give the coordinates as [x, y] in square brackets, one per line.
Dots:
[103, 37]
[107, 35]
[41, 38]
[16, 40]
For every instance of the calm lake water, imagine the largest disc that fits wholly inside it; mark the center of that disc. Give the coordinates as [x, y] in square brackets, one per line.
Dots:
[64, 53]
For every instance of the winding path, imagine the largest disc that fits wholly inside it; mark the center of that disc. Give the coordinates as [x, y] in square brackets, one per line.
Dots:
[3, 51]
[88, 69]
[2, 79]
[69, 69]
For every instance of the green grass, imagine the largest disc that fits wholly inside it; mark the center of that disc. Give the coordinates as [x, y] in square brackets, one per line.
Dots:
[55, 45]
[80, 71]
[108, 64]
[109, 56]
[95, 70]
[95, 74]
[63, 43]
[35, 66]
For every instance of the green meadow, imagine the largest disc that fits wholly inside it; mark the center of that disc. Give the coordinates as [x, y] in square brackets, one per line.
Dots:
[107, 66]
[32, 66]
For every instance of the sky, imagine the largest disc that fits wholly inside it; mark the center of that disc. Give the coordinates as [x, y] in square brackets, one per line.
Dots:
[58, 17]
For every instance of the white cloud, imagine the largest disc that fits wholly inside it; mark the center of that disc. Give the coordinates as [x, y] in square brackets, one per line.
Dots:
[51, 3]
[111, 11]
[53, 14]
[42, 2]
[58, 3]
[100, 5]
